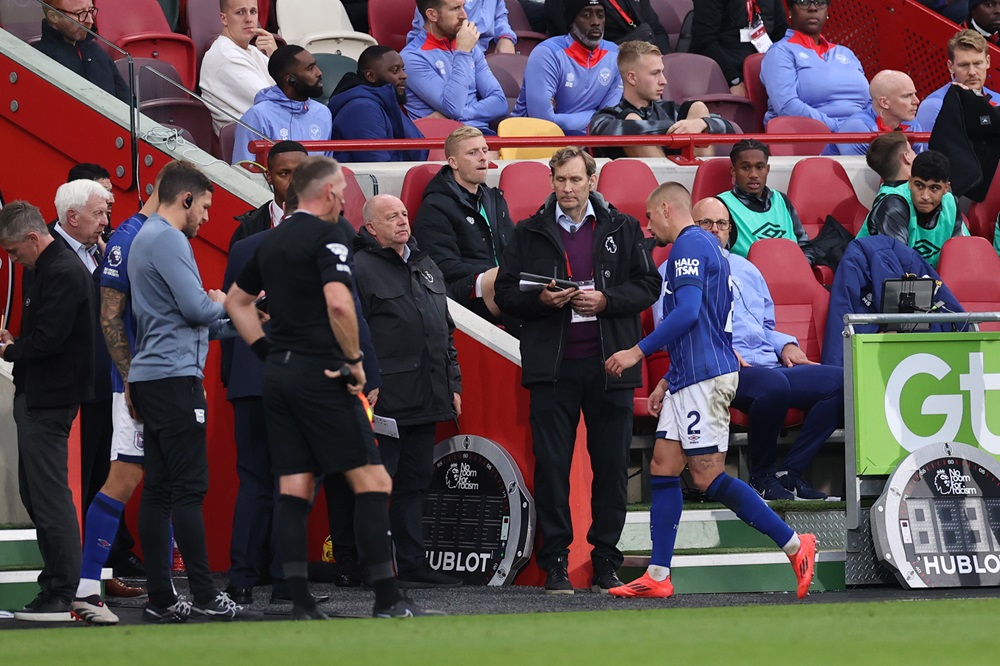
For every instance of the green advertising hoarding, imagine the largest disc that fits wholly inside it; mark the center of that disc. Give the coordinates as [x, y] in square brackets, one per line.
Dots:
[921, 388]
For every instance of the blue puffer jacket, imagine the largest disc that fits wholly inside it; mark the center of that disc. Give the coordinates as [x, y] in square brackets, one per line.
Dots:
[857, 287]
[361, 111]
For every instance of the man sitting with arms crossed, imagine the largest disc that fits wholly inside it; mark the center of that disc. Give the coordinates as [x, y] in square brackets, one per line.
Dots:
[642, 109]
[692, 401]
[915, 206]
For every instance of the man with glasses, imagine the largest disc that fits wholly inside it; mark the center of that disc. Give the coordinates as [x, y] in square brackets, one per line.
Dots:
[65, 39]
[758, 211]
[775, 374]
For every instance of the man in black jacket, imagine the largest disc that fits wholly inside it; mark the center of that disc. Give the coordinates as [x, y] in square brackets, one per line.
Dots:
[53, 373]
[402, 289]
[67, 43]
[282, 159]
[464, 224]
[566, 336]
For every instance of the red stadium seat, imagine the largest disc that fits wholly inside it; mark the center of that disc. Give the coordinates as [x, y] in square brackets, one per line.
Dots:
[22, 19]
[139, 27]
[525, 186]
[527, 39]
[436, 128]
[509, 70]
[982, 217]
[755, 90]
[189, 113]
[227, 141]
[713, 177]
[204, 25]
[354, 200]
[149, 86]
[389, 21]
[414, 183]
[970, 267]
[800, 302]
[699, 78]
[797, 125]
[626, 184]
[819, 186]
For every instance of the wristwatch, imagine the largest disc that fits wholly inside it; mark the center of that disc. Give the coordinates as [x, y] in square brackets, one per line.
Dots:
[361, 357]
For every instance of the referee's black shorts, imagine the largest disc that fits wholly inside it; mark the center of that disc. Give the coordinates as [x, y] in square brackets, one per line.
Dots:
[313, 423]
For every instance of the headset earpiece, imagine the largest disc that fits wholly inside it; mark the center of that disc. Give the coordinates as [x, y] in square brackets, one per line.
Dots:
[188, 201]
[292, 81]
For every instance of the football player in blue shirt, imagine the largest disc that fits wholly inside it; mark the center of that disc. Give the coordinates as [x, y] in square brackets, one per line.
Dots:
[693, 428]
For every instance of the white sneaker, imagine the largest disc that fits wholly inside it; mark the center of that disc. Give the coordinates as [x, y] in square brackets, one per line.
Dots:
[92, 610]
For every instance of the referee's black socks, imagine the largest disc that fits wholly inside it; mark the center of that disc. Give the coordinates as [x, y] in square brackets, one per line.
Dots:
[371, 525]
[291, 522]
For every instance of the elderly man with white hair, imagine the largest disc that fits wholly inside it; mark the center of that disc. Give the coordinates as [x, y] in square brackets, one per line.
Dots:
[893, 108]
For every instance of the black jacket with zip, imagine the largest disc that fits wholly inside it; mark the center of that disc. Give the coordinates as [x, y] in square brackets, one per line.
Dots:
[623, 271]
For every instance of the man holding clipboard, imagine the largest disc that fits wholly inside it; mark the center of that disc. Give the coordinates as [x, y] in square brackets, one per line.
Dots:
[568, 331]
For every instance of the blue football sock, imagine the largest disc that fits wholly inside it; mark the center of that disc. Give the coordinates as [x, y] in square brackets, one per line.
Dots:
[664, 516]
[101, 526]
[751, 509]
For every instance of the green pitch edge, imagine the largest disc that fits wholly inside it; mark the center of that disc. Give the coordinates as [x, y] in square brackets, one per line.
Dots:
[741, 572]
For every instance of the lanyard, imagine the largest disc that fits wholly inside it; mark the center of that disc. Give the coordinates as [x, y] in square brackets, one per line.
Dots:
[482, 211]
[569, 266]
[753, 9]
[621, 11]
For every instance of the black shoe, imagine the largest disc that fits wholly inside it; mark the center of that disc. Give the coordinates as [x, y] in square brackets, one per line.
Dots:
[348, 572]
[300, 613]
[605, 577]
[801, 490]
[241, 595]
[45, 608]
[426, 577]
[127, 564]
[179, 611]
[557, 582]
[225, 609]
[284, 598]
[403, 608]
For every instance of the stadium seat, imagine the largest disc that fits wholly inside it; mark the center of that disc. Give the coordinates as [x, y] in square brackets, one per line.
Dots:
[321, 26]
[755, 90]
[333, 66]
[713, 177]
[190, 114]
[797, 125]
[149, 86]
[436, 128]
[819, 186]
[203, 26]
[390, 20]
[22, 19]
[140, 28]
[699, 78]
[626, 184]
[509, 70]
[354, 200]
[525, 185]
[670, 19]
[414, 183]
[982, 216]
[527, 39]
[227, 140]
[527, 127]
[970, 267]
[800, 302]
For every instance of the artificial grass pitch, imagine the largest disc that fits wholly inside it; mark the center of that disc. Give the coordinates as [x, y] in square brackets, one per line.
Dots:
[899, 632]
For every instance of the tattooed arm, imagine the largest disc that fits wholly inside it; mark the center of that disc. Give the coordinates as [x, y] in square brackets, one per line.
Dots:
[113, 304]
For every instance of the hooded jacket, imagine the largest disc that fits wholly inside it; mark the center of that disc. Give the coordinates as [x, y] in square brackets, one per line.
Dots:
[363, 111]
[282, 119]
[450, 226]
[623, 271]
[420, 370]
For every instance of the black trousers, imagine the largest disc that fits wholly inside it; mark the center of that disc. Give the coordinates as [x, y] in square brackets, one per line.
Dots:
[174, 412]
[43, 482]
[555, 414]
[410, 462]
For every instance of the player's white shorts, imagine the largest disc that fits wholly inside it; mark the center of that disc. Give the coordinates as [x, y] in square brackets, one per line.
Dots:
[126, 443]
[698, 415]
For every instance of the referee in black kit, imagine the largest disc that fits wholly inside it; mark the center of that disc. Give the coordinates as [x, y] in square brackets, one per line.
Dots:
[315, 424]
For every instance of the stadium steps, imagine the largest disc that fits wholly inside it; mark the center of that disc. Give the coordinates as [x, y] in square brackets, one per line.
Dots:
[717, 552]
[20, 564]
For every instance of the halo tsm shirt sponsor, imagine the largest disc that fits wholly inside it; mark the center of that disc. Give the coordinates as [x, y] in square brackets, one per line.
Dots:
[938, 522]
[479, 520]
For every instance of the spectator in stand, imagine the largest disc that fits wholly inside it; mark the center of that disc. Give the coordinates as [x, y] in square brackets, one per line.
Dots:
[806, 75]
[954, 10]
[490, 16]
[285, 112]
[71, 46]
[234, 70]
[984, 18]
[464, 224]
[627, 20]
[894, 107]
[914, 205]
[448, 73]
[641, 109]
[570, 77]
[371, 104]
[757, 210]
[968, 62]
[727, 31]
